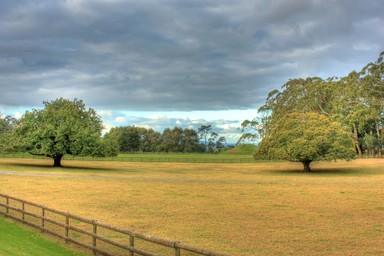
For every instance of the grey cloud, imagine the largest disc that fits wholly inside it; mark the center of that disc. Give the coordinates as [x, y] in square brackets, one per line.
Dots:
[178, 55]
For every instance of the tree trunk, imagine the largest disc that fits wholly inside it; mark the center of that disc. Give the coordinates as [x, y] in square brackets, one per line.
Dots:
[373, 146]
[306, 166]
[357, 144]
[380, 140]
[57, 161]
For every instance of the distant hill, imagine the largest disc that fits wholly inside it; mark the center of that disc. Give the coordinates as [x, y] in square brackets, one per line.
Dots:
[242, 149]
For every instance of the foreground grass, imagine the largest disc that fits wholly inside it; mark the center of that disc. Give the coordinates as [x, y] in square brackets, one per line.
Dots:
[17, 241]
[241, 209]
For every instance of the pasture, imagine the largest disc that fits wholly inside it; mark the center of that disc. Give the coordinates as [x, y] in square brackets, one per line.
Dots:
[260, 208]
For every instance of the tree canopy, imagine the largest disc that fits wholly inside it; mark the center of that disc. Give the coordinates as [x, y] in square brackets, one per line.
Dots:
[306, 137]
[7, 125]
[62, 127]
[139, 139]
[212, 142]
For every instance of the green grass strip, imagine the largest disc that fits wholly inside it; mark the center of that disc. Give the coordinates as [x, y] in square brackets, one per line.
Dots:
[154, 157]
[16, 240]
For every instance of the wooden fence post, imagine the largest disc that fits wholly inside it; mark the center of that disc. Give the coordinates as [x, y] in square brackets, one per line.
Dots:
[7, 202]
[42, 216]
[23, 212]
[94, 235]
[67, 226]
[177, 251]
[177, 248]
[131, 243]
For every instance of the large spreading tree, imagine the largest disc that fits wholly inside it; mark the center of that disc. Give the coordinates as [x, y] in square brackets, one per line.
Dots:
[306, 137]
[356, 102]
[62, 127]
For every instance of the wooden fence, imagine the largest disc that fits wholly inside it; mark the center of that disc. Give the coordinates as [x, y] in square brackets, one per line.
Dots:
[101, 238]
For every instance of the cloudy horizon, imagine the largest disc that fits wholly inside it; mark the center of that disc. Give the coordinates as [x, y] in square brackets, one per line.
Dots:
[168, 63]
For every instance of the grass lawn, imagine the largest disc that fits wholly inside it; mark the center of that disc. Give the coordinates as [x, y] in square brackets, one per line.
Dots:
[260, 208]
[17, 241]
[226, 157]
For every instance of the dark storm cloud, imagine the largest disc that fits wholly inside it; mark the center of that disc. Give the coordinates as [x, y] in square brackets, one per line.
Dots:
[178, 55]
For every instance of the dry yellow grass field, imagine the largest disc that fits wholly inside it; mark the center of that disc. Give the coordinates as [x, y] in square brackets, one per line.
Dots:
[269, 208]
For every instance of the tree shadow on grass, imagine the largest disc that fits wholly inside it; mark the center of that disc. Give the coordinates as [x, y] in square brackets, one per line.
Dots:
[328, 172]
[49, 167]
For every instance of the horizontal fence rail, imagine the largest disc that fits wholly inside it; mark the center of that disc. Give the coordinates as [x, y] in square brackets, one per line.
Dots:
[101, 238]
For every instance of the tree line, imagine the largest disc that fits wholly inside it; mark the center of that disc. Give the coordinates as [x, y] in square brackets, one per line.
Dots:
[131, 139]
[65, 127]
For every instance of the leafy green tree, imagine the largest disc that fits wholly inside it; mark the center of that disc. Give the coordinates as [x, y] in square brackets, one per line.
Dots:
[210, 138]
[7, 124]
[254, 130]
[311, 94]
[249, 132]
[204, 131]
[172, 140]
[220, 143]
[359, 104]
[350, 108]
[109, 146]
[190, 141]
[62, 127]
[370, 142]
[306, 137]
[149, 140]
[128, 138]
[372, 76]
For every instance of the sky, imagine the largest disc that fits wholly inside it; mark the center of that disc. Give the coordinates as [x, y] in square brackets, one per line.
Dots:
[166, 63]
